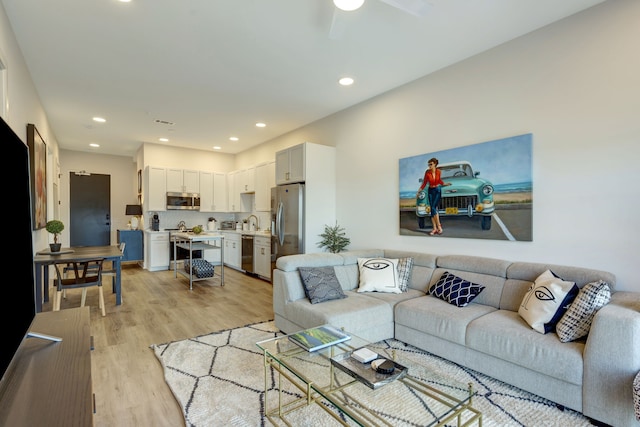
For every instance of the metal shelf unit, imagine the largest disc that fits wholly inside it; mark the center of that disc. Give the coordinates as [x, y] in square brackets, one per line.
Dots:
[194, 242]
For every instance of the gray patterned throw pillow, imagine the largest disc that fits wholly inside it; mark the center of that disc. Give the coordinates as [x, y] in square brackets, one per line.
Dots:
[404, 272]
[320, 284]
[576, 321]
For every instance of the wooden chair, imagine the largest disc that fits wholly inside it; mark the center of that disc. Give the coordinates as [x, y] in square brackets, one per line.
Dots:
[112, 271]
[85, 274]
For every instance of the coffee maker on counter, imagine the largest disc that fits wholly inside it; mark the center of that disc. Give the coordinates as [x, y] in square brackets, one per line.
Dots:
[155, 223]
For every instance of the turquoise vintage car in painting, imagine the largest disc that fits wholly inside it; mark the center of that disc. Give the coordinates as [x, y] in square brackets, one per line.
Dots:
[468, 195]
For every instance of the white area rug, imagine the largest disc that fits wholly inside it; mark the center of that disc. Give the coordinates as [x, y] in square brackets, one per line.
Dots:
[218, 379]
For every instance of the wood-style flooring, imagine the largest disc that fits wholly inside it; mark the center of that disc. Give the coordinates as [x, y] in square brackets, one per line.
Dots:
[157, 307]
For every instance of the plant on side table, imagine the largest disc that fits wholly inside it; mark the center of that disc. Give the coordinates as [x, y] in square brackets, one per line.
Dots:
[334, 239]
[55, 227]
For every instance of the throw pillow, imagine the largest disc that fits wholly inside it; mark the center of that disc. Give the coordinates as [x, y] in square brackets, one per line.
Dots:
[320, 284]
[378, 275]
[576, 322]
[455, 290]
[546, 301]
[404, 272]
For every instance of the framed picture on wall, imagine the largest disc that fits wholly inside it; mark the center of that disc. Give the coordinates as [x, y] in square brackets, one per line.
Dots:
[38, 176]
[139, 181]
[485, 191]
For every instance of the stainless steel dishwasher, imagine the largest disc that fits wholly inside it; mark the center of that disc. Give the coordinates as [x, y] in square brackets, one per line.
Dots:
[247, 253]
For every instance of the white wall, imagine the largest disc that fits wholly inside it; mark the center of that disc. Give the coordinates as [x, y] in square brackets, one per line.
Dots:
[574, 84]
[23, 107]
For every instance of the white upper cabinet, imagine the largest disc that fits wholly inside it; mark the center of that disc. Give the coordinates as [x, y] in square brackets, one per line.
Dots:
[291, 165]
[265, 179]
[183, 181]
[206, 192]
[220, 200]
[246, 180]
[155, 189]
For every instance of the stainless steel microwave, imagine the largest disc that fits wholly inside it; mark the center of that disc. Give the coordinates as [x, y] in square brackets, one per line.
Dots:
[185, 201]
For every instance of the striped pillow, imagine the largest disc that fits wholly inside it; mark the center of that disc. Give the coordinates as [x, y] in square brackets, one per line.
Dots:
[404, 272]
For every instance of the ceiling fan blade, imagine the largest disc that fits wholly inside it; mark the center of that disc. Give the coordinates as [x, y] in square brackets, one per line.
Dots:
[338, 24]
[417, 8]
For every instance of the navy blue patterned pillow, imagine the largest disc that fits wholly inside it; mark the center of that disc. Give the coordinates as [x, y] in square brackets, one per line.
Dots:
[455, 290]
[320, 284]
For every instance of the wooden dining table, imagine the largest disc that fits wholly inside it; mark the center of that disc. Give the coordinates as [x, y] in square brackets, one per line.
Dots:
[44, 258]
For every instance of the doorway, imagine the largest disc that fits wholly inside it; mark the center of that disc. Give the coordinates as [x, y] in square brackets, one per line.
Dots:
[90, 209]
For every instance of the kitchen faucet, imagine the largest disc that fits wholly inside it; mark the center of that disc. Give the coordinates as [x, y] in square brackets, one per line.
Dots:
[257, 221]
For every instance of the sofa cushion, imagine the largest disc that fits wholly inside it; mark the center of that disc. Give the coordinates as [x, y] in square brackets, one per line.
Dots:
[546, 301]
[405, 265]
[378, 275]
[505, 335]
[320, 284]
[576, 322]
[433, 316]
[455, 290]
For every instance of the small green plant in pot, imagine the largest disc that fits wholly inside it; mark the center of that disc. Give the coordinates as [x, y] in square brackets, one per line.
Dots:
[334, 239]
[55, 227]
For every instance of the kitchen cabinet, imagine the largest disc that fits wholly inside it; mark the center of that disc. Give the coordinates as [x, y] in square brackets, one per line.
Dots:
[156, 253]
[183, 181]
[233, 250]
[246, 180]
[262, 256]
[237, 202]
[133, 240]
[265, 179]
[206, 191]
[155, 189]
[213, 192]
[291, 164]
[220, 201]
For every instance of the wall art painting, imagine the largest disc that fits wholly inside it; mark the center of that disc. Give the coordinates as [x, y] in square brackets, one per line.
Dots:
[38, 174]
[488, 192]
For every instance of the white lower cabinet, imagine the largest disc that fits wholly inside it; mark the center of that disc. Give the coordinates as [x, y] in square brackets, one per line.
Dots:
[156, 251]
[262, 256]
[233, 250]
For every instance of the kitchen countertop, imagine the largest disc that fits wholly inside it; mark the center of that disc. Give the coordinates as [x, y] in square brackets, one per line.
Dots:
[252, 233]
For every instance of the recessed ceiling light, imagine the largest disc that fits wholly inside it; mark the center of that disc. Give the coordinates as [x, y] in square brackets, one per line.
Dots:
[215, 147]
[233, 138]
[348, 5]
[261, 125]
[163, 139]
[93, 144]
[99, 119]
[346, 81]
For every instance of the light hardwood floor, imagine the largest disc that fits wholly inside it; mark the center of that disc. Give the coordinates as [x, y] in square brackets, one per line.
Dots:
[128, 380]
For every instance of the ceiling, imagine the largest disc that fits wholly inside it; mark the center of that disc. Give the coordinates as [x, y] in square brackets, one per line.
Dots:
[201, 71]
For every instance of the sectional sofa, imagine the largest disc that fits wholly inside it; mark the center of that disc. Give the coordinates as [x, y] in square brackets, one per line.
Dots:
[592, 375]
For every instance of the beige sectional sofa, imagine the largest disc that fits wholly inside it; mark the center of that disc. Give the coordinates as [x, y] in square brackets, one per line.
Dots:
[593, 375]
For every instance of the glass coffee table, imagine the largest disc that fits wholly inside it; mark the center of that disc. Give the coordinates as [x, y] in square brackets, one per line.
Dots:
[417, 397]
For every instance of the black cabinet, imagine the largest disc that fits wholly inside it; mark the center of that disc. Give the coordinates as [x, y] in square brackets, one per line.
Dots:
[133, 250]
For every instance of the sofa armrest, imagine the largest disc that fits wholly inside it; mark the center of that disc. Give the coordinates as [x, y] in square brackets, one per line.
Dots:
[611, 360]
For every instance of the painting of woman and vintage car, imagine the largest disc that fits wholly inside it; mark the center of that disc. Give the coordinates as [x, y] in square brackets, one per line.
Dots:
[486, 191]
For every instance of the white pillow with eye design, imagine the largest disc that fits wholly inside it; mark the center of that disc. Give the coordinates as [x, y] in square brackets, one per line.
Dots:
[378, 275]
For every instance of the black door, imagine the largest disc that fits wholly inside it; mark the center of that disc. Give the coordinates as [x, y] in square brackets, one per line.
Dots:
[90, 207]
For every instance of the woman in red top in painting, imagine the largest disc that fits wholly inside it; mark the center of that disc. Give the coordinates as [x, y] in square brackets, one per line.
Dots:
[432, 177]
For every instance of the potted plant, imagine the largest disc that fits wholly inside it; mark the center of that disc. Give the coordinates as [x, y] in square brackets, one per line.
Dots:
[55, 227]
[334, 239]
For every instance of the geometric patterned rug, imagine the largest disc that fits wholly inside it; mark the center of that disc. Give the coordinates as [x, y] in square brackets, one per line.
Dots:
[218, 380]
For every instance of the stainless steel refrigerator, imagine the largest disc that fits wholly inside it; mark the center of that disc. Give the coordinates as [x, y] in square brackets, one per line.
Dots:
[287, 220]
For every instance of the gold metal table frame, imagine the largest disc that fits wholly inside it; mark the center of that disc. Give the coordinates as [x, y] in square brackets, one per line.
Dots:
[341, 397]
